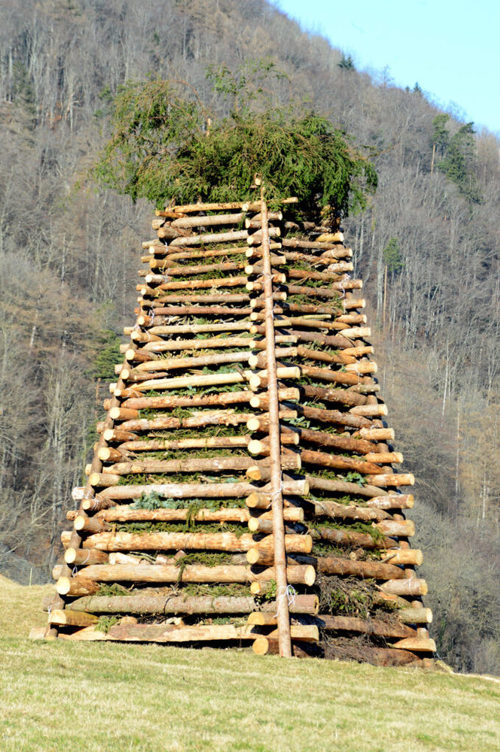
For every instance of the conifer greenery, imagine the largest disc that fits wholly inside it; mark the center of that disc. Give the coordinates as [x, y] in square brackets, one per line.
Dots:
[457, 153]
[165, 146]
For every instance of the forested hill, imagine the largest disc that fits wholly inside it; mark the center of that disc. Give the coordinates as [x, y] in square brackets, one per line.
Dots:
[427, 249]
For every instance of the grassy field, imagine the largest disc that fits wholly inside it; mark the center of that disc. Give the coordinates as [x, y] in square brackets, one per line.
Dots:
[100, 697]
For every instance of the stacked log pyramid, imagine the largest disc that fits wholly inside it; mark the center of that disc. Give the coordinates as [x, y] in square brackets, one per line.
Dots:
[175, 537]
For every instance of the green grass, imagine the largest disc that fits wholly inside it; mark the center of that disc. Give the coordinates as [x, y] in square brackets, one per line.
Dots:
[57, 697]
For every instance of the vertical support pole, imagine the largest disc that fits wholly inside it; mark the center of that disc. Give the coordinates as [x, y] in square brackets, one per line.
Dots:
[283, 618]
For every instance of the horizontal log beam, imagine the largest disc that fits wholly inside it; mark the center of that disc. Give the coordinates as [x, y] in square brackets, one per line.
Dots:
[299, 574]
[375, 627]
[183, 604]
[189, 541]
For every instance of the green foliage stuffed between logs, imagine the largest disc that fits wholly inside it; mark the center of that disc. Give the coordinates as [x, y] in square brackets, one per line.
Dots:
[165, 147]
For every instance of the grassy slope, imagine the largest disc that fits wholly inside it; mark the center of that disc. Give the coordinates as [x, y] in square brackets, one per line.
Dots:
[97, 696]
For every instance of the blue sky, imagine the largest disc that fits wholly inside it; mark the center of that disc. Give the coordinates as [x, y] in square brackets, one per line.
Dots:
[451, 47]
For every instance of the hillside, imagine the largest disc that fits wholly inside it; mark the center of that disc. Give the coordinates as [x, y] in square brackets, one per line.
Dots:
[427, 249]
[147, 697]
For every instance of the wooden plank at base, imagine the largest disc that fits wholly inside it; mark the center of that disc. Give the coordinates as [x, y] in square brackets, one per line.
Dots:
[172, 633]
[416, 644]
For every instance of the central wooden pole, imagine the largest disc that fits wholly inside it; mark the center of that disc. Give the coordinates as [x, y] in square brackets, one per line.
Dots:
[283, 618]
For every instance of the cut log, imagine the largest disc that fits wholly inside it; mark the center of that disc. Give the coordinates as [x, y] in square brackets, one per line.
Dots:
[332, 460]
[364, 626]
[413, 586]
[343, 396]
[290, 461]
[376, 434]
[343, 487]
[392, 479]
[328, 508]
[416, 644]
[188, 541]
[348, 538]
[69, 618]
[197, 490]
[180, 604]
[182, 634]
[76, 586]
[392, 501]
[415, 615]
[333, 416]
[199, 344]
[81, 557]
[363, 569]
[411, 556]
[327, 374]
[207, 221]
[227, 514]
[346, 443]
[213, 237]
[400, 528]
[299, 574]
[86, 524]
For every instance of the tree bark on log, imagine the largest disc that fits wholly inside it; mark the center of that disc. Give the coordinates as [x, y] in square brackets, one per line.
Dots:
[299, 574]
[346, 443]
[182, 634]
[328, 508]
[412, 586]
[333, 416]
[198, 490]
[416, 644]
[347, 538]
[289, 461]
[415, 615]
[180, 604]
[343, 396]
[344, 487]
[81, 557]
[188, 541]
[227, 514]
[70, 618]
[409, 556]
[331, 460]
[392, 501]
[375, 627]
[364, 569]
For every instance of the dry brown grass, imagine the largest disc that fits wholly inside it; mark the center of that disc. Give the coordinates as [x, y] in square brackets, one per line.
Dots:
[99, 697]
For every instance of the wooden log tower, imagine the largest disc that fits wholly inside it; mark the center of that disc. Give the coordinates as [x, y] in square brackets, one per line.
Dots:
[244, 490]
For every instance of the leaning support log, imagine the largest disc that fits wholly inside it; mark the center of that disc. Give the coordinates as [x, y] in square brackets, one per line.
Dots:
[279, 539]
